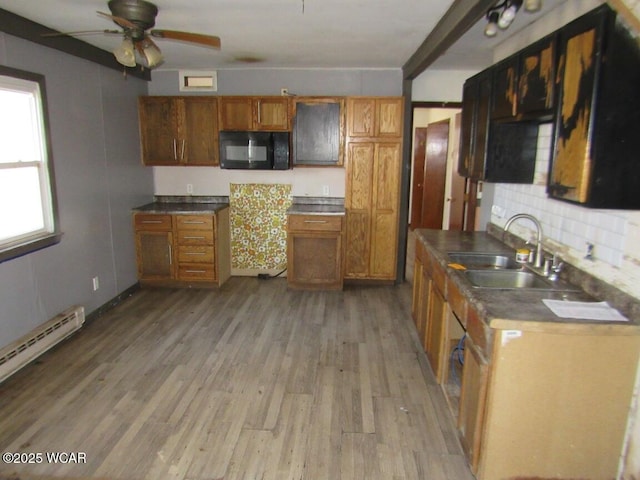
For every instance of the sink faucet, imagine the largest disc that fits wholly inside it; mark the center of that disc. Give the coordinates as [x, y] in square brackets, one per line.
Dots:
[538, 260]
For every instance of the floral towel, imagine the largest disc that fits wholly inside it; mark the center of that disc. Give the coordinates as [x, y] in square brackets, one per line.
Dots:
[259, 225]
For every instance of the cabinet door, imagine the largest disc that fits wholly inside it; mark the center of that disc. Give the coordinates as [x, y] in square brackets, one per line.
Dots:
[154, 255]
[199, 136]
[481, 129]
[571, 169]
[472, 402]
[318, 132]
[158, 118]
[436, 334]
[358, 198]
[537, 77]
[361, 117]
[236, 113]
[467, 124]
[271, 113]
[386, 197]
[474, 133]
[389, 118]
[505, 87]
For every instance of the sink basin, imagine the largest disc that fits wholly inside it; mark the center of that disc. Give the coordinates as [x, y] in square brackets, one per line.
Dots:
[510, 279]
[474, 260]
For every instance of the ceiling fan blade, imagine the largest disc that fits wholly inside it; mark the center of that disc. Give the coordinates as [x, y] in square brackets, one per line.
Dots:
[123, 22]
[205, 40]
[78, 33]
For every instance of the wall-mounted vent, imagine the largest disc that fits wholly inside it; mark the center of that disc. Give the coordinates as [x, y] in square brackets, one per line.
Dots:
[198, 81]
[16, 355]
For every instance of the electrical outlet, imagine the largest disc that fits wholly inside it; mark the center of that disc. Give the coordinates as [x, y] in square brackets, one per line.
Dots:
[190, 188]
[284, 92]
[96, 283]
[498, 211]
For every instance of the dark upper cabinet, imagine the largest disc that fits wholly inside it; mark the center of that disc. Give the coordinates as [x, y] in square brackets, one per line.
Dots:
[597, 140]
[474, 128]
[318, 132]
[523, 84]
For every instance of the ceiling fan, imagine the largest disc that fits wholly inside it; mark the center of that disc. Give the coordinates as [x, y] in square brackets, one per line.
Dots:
[136, 18]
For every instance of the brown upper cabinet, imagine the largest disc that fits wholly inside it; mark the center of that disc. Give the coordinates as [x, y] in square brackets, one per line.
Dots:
[596, 141]
[375, 117]
[523, 84]
[179, 130]
[474, 129]
[255, 113]
[318, 131]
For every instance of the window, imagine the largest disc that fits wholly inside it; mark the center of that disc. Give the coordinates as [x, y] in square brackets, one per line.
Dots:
[28, 217]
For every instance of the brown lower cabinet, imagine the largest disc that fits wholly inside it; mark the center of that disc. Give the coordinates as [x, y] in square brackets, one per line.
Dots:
[531, 399]
[181, 249]
[314, 251]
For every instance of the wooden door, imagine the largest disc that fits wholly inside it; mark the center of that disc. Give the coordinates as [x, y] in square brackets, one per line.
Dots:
[417, 184]
[271, 113]
[158, 118]
[358, 199]
[235, 113]
[456, 198]
[386, 197]
[432, 147]
[200, 131]
[472, 401]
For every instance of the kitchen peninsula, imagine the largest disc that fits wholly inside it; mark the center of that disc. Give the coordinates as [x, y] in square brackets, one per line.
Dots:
[534, 395]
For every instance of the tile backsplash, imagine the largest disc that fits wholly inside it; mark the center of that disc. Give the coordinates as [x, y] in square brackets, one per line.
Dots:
[569, 229]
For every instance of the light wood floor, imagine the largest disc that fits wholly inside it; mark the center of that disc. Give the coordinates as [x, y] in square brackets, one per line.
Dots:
[250, 381]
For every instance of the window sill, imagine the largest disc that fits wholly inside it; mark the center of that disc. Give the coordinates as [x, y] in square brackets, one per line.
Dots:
[28, 246]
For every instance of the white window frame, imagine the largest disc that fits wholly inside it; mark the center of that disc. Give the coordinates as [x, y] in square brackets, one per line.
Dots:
[28, 241]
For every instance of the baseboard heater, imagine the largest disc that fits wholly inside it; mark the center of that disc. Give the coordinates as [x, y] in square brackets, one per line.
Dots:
[19, 353]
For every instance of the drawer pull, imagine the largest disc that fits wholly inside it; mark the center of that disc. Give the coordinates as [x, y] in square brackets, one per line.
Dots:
[315, 221]
[151, 221]
[195, 253]
[193, 222]
[195, 271]
[193, 238]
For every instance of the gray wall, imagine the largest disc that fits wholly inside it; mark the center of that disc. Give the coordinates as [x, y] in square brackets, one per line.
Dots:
[99, 178]
[319, 81]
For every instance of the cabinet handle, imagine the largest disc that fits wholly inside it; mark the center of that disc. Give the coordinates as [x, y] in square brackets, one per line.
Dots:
[170, 255]
[175, 150]
[195, 253]
[315, 221]
[259, 109]
[151, 221]
[193, 222]
[182, 151]
[193, 238]
[195, 271]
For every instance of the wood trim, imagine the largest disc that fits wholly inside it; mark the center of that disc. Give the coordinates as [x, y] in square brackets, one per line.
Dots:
[462, 15]
[28, 30]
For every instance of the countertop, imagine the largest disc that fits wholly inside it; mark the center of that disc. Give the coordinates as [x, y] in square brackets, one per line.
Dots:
[512, 309]
[195, 205]
[316, 206]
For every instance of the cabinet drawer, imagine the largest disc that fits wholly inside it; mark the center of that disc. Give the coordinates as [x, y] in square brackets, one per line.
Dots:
[195, 237]
[152, 222]
[194, 222]
[331, 223]
[195, 254]
[196, 272]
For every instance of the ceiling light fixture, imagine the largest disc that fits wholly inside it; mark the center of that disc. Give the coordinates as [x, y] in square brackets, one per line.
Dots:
[502, 14]
[150, 54]
[124, 53]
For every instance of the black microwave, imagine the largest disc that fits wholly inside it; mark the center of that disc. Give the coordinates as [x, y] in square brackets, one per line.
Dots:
[254, 150]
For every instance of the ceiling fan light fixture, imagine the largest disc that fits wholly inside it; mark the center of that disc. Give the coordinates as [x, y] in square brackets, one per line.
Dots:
[491, 30]
[509, 13]
[124, 53]
[150, 53]
[532, 5]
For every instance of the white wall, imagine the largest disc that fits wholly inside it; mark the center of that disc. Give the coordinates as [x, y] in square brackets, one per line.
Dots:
[305, 181]
[439, 85]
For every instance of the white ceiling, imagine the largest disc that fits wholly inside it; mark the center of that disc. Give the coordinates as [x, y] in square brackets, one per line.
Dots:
[285, 33]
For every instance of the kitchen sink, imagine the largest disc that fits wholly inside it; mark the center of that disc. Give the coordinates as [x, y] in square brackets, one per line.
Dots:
[476, 260]
[510, 279]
